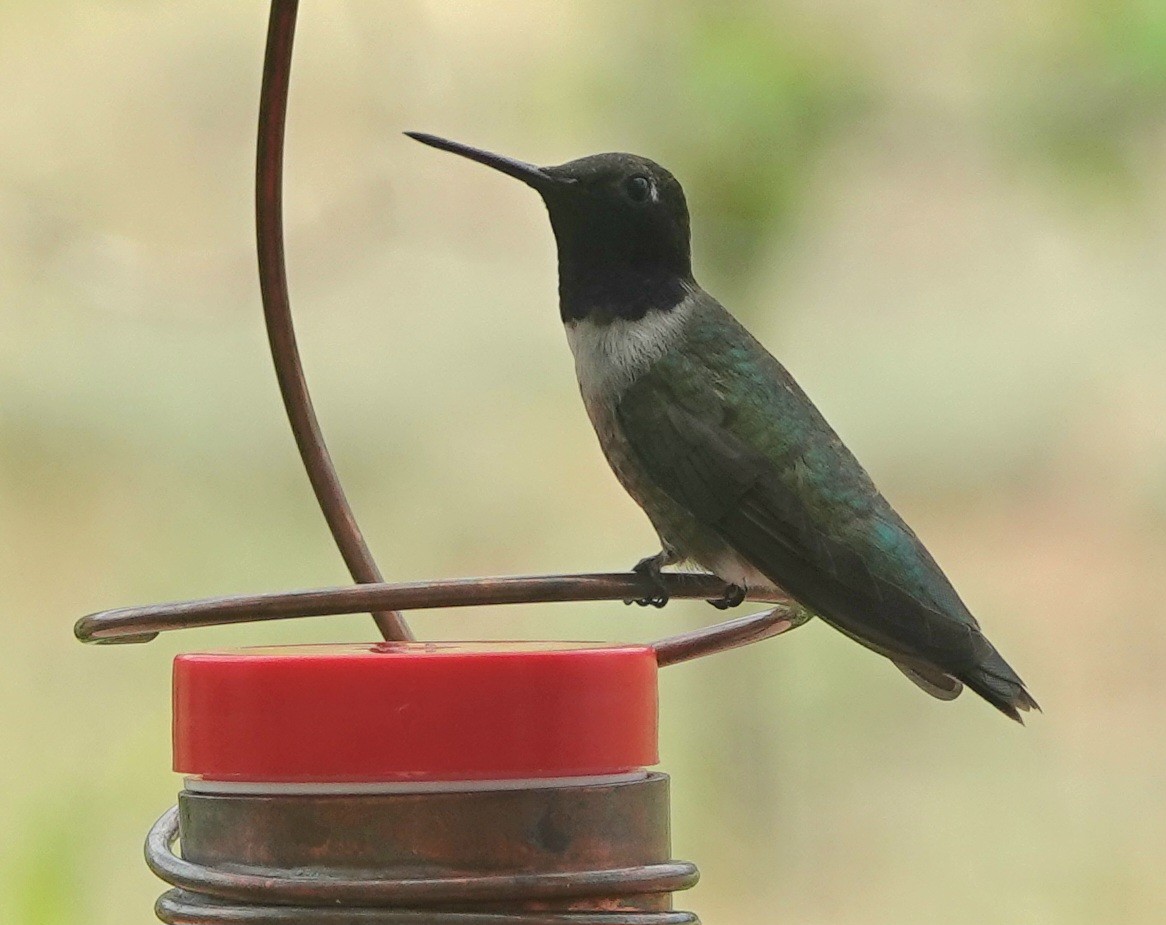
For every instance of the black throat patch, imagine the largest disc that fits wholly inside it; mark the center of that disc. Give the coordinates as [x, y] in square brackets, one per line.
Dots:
[604, 297]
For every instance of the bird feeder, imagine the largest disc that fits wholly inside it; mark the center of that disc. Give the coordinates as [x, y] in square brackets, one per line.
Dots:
[401, 781]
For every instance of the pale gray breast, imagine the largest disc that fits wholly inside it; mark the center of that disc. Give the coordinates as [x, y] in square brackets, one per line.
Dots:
[608, 359]
[610, 356]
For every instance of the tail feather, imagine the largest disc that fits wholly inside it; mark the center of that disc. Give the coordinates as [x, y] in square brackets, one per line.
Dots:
[995, 681]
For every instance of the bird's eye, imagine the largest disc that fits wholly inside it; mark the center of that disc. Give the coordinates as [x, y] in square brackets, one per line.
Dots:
[638, 189]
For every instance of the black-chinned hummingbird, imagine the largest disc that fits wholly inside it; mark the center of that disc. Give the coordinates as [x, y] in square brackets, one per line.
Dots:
[712, 437]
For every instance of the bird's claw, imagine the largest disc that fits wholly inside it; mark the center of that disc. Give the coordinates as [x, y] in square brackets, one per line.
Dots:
[650, 569]
[656, 600]
[733, 597]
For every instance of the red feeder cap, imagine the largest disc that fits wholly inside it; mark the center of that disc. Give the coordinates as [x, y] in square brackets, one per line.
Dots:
[397, 712]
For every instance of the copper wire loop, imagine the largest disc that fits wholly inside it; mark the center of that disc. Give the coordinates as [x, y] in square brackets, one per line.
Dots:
[179, 907]
[141, 624]
[213, 895]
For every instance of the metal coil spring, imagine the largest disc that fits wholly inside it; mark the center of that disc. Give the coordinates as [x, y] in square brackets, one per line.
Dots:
[256, 896]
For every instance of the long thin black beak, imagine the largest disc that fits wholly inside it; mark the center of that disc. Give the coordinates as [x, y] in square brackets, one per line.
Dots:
[529, 174]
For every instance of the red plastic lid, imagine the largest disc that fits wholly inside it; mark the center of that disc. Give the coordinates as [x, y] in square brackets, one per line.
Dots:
[415, 712]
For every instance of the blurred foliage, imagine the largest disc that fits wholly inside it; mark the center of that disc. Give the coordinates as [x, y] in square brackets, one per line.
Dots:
[948, 219]
[1088, 89]
[743, 97]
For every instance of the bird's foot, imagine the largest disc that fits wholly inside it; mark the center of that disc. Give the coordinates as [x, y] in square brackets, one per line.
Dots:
[733, 597]
[650, 567]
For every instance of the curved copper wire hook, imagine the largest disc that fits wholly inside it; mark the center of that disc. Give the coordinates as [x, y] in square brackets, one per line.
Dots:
[277, 312]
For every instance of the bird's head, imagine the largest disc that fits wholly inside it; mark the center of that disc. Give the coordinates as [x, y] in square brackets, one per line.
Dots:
[621, 225]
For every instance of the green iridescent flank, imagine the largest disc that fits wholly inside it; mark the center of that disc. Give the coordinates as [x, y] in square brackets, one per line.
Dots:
[731, 453]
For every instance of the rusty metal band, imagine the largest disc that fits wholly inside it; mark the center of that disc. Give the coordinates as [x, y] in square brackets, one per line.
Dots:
[269, 887]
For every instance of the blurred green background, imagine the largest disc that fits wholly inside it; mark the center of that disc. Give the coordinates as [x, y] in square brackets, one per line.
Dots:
[949, 220]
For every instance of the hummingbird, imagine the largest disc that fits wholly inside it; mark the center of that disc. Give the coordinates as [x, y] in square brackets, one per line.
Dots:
[735, 467]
